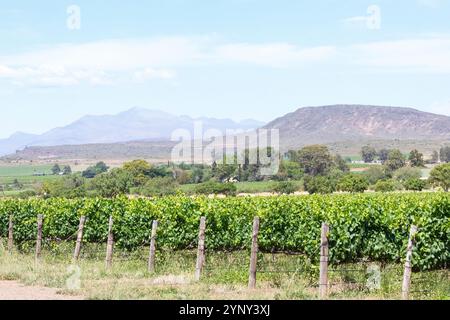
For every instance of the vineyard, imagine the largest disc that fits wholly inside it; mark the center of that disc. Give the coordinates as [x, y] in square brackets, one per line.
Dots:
[366, 227]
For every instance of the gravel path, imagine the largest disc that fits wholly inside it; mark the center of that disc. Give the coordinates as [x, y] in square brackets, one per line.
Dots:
[12, 290]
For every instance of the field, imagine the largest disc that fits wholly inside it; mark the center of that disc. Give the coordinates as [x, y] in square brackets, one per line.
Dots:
[225, 276]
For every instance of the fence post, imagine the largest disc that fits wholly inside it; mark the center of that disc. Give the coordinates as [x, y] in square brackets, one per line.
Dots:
[76, 254]
[323, 279]
[151, 259]
[10, 234]
[39, 236]
[408, 266]
[254, 255]
[110, 244]
[201, 249]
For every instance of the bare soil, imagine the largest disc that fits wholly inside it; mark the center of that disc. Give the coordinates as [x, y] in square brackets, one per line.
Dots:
[13, 290]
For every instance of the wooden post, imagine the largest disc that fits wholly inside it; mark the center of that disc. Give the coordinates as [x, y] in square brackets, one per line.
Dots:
[254, 255]
[408, 266]
[39, 236]
[151, 259]
[76, 255]
[10, 234]
[323, 279]
[110, 244]
[201, 249]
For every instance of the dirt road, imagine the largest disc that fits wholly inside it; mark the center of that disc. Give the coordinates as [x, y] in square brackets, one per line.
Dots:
[12, 290]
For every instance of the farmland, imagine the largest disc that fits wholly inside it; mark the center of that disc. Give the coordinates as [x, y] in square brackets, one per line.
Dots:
[365, 229]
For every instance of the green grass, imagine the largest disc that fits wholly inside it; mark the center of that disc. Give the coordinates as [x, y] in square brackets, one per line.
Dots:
[16, 171]
[225, 276]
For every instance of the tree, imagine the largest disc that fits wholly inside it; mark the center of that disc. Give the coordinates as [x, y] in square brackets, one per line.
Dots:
[17, 184]
[434, 157]
[340, 163]
[315, 160]
[319, 184]
[415, 184]
[375, 173]
[111, 184]
[213, 187]
[160, 186]
[139, 170]
[395, 161]
[416, 159]
[354, 183]
[407, 173]
[56, 169]
[71, 186]
[440, 176]
[67, 170]
[383, 155]
[368, 154]
[92, 171]
[445, 154]
[385, 186]
[285, 187]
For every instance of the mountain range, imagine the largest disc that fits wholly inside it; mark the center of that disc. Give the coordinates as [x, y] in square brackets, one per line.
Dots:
[136, 124]
[146, 133]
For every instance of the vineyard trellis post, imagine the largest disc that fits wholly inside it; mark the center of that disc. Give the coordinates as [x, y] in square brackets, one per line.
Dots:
[254, 255]
[151, 259]
[201, 249]
[408, 263]
[323, 278]
[110, 244]
[40, 219]
[76, 254]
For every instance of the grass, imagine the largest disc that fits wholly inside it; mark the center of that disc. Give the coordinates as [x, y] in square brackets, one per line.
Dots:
[224, 278]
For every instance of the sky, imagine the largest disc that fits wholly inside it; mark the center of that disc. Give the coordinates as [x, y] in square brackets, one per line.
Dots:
[239, 59]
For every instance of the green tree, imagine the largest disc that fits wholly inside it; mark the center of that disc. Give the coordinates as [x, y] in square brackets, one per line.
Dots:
[434, 157]
[368, 154]
[355, 183]
[70, 187]
[315, 160]
[375, 173]
[340, 163]
[139, 170]
[395, 161]
[97, 169]
[319, 184]
[214, 187]
[160, 186]
[385, 186]
[416, 159]
[285, 187]
[111, 184]
[56, 169]
[440, 176]
[67, 170]
[445, 154]
[407, 173]
[383, 155]
[415, 184]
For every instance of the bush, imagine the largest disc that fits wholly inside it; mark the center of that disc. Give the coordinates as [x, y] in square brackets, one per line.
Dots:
[353, 183]
[212, 187]
[407, 173]
[157, 187]
[385, 186]
[415, 184]
[319, 184]
[375, 174]
[285, 187]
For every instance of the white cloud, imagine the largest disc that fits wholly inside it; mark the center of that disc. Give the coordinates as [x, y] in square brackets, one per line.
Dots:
[107, 62]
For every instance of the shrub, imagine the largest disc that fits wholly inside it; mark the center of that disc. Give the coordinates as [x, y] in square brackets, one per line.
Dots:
[385, 186]
[319, 184]
[159, 187]
[212, 187]
[415, 184]
[353, 183]
[285, 187]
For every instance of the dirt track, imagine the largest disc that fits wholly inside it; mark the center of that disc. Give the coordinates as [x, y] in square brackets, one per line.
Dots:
[12, 290]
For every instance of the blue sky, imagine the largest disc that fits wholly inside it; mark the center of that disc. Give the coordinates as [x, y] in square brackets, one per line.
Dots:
[222, 58]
